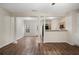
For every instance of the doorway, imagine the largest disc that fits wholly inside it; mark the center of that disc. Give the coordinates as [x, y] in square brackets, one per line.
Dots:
[31, 28]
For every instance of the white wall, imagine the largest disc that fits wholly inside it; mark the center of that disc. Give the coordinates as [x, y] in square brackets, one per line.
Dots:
[76, 36]
[19, 28]
[75, 33]
[71, 23]
[56, 36]
[13, 28]
[6, 28]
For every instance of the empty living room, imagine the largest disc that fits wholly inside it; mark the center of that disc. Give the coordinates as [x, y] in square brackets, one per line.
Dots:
[39, 28]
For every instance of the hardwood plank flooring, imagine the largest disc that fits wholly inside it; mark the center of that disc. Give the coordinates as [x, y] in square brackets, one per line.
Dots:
[25, 46]
[59, 49]
[30, 46]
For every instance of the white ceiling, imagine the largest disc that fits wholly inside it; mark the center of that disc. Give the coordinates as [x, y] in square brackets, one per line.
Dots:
[39, 9]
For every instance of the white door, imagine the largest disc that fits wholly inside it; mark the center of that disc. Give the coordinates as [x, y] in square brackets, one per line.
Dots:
[31, 27]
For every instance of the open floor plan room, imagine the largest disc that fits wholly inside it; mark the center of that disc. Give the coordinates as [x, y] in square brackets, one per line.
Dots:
[39, 28]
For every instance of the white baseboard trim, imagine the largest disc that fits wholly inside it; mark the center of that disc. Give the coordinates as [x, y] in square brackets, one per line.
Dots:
[6, 44]
[15, 42]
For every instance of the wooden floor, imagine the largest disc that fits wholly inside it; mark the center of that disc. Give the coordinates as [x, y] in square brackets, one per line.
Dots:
[59, 49]
[30, 46]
